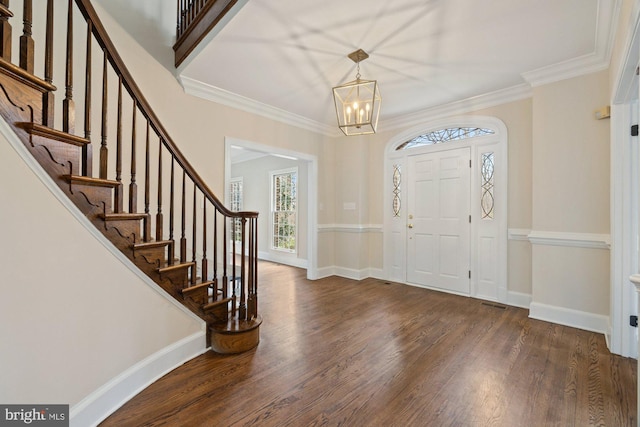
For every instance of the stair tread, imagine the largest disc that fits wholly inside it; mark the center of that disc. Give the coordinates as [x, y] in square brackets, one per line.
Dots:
[58, 135]
[152, 244]
[215, 304]
[97, 182]
[179, 266]
[26, 77]
[197, 287]
[122, 216]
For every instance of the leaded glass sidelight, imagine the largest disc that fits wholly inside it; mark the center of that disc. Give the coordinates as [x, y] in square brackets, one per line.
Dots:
[487, 176]
[397, 179]
[444, 135]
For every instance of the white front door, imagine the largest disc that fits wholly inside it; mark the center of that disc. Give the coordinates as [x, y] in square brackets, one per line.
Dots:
[438, 241]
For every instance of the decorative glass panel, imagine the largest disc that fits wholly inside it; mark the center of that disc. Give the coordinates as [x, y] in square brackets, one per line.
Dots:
[486, 198]
[444, 135]
[397, 179]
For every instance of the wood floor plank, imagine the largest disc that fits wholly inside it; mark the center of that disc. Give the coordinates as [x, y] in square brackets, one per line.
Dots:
[338, 352]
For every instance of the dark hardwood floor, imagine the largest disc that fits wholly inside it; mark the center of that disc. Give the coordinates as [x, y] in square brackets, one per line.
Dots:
[340, 352]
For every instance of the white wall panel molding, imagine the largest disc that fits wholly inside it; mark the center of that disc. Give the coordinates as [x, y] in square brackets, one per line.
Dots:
[350, 228]
[576, 240]
[519, 234]
[568, 317]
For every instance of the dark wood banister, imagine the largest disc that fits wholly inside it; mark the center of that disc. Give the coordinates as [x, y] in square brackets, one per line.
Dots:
[117, 63]
[195, 20]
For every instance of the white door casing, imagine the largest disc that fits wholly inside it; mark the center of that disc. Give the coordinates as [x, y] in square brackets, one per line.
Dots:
[488, 237]
[438, 227]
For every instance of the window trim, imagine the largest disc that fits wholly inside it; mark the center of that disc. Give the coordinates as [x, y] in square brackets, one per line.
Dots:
[272, 174]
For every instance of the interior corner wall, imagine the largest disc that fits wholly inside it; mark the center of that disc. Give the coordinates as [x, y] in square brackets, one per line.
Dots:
[72, 316]
[571, 198]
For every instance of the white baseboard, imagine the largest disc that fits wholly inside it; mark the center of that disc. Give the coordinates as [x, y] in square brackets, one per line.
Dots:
[323, 272]
[568, 317]
[377, 273]
[291, 260]
[349, 273]
[518, 299]
[98, 405]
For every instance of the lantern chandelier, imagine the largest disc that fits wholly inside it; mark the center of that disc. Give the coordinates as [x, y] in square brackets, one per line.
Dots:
[357, 102]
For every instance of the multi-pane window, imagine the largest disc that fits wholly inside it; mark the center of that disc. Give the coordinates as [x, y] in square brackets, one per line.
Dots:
[284, 207]
[235, 204]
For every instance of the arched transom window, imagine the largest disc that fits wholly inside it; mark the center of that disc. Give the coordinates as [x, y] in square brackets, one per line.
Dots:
[444, 135]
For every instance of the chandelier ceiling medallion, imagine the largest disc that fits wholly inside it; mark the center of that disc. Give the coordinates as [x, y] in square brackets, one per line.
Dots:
[357, 102]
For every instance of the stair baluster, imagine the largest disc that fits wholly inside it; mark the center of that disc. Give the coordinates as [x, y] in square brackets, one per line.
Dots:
[26, 41]
[48, 98]
[171, 211]
[147, 189]
[194, 223]
[183, 238]
[87, 150]
[205, 263]
[159, 216]
[104, 151]
[68, 105]
[133, 186]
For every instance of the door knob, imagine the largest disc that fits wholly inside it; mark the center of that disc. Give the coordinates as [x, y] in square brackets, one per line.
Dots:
[410, 226]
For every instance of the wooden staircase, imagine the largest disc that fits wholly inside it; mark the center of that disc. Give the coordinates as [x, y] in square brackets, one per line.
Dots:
[222, 289]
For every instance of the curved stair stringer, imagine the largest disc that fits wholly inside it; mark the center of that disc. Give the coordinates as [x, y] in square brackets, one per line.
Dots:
[7, 131]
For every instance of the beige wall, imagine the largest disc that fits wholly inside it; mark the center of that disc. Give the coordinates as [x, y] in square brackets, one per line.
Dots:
[571, 156]
[73, 316]
[571, 191]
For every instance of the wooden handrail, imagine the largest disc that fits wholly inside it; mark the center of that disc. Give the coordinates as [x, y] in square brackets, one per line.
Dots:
[130, 85]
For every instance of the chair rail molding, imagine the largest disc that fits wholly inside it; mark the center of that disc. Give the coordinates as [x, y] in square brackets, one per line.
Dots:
[575, 240]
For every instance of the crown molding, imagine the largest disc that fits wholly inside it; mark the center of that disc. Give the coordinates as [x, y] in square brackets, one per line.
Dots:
[598, 60]
[230, 99]
[576, 67]
[514, 93]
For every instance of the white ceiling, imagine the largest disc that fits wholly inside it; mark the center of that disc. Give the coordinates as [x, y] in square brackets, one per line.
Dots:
[282, 58]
